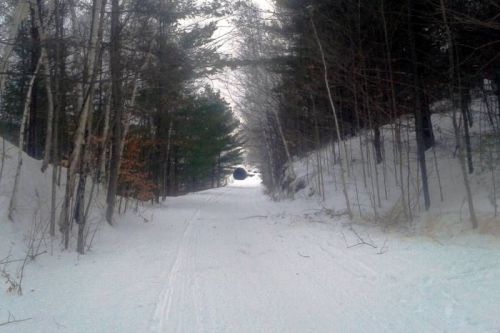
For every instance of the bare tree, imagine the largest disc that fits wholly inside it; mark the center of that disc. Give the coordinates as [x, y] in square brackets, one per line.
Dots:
[456, 126]
[343, 159]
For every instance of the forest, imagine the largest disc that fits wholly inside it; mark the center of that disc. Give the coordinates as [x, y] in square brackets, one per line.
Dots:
[117, 95]
[249, 166]
[342, 73]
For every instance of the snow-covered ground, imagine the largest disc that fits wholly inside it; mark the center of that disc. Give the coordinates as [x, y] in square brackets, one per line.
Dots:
[231, 260]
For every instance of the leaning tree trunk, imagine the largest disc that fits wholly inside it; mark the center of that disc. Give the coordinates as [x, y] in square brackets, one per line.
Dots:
[22, 134]
[335, 118]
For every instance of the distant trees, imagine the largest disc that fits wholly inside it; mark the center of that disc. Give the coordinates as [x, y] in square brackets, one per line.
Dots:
[265, 130]
[205, 143]
[114, 91]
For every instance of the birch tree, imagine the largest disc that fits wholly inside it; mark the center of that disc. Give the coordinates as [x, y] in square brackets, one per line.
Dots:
[22, 135]
[75, 158]
[343, 159]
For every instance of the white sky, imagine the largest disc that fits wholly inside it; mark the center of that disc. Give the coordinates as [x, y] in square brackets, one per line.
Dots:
[223, 80]
[265, 4]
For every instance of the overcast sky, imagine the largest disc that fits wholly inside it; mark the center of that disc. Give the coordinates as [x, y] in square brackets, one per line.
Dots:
[225, 81]
[265, 4]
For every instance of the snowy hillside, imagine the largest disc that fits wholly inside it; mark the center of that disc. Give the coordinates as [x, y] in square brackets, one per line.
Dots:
[375, 192]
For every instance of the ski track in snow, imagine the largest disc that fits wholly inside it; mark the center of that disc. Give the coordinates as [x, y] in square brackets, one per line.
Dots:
[240, 269]
[164, 304]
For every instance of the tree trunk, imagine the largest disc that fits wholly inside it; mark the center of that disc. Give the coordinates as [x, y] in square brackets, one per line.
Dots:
[497, 90]
[456, 128]
[337, 126]
[422, 120]
[60, 70]
[117, 107]
[427, 131]
[79, 212]
[397, 120]
[167, 159]
[48, 85]
[33, 131]
[22, 134]
[464, 107]
[55, 160]
[377, 143]
[105, 141]
[82, 122]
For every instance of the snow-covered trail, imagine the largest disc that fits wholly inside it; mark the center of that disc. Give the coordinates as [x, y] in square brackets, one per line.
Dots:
[243, 265]
[230, 260]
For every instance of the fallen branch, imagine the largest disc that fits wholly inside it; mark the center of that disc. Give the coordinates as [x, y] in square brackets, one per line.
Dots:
[6, 261]
[34, 256]
[302, 255]
[361, 243]
[254, 217]
[361, 240]
[383, 249]
[13, 320]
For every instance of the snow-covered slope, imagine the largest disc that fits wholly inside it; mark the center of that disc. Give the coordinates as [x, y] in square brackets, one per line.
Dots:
[375, 193]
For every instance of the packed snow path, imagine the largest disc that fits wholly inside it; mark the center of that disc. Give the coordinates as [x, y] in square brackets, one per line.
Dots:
[230, 260]
[243, 266]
